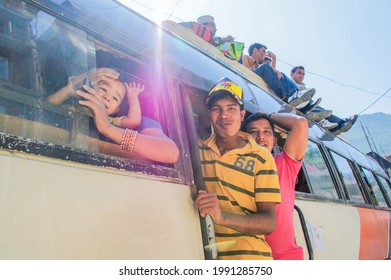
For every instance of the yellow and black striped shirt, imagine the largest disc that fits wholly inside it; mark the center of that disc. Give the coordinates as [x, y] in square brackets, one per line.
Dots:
[240, 178]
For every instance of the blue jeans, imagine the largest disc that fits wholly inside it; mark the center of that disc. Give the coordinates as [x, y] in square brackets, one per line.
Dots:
[332, 118]
[284, 88]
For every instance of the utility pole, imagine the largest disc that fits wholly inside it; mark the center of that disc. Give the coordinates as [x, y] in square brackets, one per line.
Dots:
[372, 141]
[369, 143]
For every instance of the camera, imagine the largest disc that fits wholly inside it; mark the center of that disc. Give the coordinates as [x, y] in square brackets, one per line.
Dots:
[86, 82]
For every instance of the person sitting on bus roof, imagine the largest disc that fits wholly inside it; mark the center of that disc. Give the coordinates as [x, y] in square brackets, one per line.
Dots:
[240, 177]
[209, 22]
[261, 127]
[276, 80]
[333, 123]
[267, 60]
[308, 110]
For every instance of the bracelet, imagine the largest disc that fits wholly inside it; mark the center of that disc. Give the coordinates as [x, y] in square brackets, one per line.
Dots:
[116, 121]
[128, 140]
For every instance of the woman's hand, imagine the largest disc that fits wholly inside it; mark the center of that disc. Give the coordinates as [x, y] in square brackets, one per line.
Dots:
[103, 74]
[95, 75]
[94, 101]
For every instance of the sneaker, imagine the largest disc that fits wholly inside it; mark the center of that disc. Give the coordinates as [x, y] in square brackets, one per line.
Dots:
[342, 128]
[352, 119]
[319, 115]
[301, 97]
[302, 105]
[327, 125]
[311, 106]
[346, 125]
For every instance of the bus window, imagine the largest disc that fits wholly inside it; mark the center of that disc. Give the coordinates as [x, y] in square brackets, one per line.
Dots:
[374, 189]
[386, 187]
[41, 55]
[319, 176]
[347, 177]
[264, 99]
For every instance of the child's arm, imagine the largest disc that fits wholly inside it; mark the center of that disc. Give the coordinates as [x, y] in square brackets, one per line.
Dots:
[75, 82]
[62, 94]
[133, 119]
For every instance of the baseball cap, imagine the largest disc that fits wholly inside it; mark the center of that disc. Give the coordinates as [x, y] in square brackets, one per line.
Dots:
[225, 85]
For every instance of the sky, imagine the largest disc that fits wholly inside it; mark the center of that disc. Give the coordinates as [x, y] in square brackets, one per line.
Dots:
[344, 45]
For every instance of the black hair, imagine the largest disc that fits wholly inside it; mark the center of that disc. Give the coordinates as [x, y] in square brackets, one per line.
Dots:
[254, 117]
[297, 67]
[218, 95]
[255, 46]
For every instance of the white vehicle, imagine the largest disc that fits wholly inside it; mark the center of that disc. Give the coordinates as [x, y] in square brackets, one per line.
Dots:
[67, 193]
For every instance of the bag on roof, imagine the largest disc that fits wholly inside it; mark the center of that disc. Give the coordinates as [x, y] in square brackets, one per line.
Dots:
[232, 50]
[199, 29]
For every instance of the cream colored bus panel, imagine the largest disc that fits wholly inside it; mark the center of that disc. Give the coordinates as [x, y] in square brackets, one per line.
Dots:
[334, 230]
[52, 210]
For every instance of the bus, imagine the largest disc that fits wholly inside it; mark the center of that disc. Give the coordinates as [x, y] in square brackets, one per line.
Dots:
[68, 193]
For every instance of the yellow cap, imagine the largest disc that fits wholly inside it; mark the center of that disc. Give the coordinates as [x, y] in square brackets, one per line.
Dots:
[225, 84]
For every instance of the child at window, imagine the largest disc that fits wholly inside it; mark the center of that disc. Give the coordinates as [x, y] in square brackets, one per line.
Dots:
[113, 93]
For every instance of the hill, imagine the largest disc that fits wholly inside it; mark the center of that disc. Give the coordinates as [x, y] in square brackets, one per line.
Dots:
[378, 129]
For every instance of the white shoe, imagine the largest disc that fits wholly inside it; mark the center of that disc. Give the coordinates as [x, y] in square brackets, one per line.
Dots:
[301, 98]
[319, 115]
[327, 125]
[302, 105]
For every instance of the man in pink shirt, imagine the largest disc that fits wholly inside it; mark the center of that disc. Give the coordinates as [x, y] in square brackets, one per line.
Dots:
[288, 162]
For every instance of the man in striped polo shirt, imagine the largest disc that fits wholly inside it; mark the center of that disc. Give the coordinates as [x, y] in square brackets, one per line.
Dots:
[240, 178]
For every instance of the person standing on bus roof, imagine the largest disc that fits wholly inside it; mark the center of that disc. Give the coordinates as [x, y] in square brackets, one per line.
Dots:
[209, 22]
[261, 127]
[240, 178]
[333, 123]
[277, 81]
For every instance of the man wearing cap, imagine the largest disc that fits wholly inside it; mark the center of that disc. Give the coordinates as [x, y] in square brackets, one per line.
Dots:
[240, 178]
[209, 22]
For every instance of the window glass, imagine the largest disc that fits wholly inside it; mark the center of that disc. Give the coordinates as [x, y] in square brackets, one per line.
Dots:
[386, 187]
[264, 100]
[321, 182]
[44, 60]
[374, 189]
[4, 68]
[349, 180]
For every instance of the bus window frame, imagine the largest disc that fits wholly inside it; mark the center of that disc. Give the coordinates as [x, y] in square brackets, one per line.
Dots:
[383, 188]
[326, 160]
[367, 201]
[175, 126]
[366, 186]
[175, 172]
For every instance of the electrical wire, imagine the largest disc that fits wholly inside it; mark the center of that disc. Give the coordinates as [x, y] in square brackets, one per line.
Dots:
[174, 8]
[384, 94]
[309, 72]
[347, 85]
[339, 83]
[155, 10]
